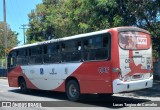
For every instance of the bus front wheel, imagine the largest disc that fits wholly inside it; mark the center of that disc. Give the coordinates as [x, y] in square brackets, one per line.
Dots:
[23, 86]
[73, 90]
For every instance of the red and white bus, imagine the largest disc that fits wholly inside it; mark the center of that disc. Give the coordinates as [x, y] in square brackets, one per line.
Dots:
[103, 62]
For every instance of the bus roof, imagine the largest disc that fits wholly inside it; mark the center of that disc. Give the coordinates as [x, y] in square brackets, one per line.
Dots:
[131, 28]
[124, 28]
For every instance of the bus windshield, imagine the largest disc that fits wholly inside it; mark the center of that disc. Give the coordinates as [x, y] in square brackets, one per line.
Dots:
[134, 40]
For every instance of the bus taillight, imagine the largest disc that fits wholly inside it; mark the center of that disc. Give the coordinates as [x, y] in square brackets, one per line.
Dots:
[118, 71]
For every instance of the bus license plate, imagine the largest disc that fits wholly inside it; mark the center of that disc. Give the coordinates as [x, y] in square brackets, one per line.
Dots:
[137, 76]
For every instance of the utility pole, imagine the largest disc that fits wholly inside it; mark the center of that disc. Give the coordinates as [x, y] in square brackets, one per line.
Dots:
[5, 29]
[24, 28]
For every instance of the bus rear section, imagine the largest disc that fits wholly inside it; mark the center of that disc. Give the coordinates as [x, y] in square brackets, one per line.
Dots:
[135, 54]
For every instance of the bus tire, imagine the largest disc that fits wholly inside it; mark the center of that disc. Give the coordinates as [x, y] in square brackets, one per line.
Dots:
[73, 90]
[23, 86]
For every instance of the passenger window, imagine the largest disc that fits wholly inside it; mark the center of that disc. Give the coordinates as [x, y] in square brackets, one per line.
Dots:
[52, 53]
[106, 41]
[68, 46]
[53, 49]
[22, 57]
[78, 45]
[96, 47]
[36, 50]
[92, 43]
[35, 55]
[71, 51]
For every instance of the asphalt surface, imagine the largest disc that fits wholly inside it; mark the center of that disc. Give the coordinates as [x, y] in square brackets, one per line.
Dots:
[46, 100]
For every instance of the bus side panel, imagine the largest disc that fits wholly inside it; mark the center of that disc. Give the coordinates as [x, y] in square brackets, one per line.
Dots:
[13, 76]
[94, 77]
[60, 88]
[13, 81]
[114, 54]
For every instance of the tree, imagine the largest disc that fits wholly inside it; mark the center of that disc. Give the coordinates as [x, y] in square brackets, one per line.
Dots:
[11, 39]
[60, 18]
[43, 21]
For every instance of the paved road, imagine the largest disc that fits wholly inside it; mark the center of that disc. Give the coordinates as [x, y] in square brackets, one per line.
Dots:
[58, 101]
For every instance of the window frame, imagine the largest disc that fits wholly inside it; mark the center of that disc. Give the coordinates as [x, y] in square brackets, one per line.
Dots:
[108, 35]
[22, 56]
[30, 55]
[74, 51]
[51, 53]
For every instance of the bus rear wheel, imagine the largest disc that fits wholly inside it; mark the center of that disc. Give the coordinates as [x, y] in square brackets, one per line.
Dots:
[73, 90]
[23, 86]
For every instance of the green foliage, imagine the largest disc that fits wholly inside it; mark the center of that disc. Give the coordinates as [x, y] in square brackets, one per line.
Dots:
[117, 21]
[155, 54]
[1, 51]
[12, 40]
[60, 18]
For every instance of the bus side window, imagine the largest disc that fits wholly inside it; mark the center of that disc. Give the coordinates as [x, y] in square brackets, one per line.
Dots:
[105, 41]
[77, 54]
[96, 47]
[45, 49]
[87, 47]
[79, 47]
[52, 53]
[12, 59]
[104, 50]
[63, 48]
[86, 44]
[22, 56]
[35, 55]
[71, 51]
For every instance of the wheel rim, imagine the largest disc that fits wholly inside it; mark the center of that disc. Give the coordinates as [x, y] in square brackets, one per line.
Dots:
[72, 90]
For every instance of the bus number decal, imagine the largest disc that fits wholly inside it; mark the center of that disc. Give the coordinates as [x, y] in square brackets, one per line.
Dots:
[128, 60]
[103, 70]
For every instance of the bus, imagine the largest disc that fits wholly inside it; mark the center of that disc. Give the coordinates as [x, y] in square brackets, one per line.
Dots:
[103, 62]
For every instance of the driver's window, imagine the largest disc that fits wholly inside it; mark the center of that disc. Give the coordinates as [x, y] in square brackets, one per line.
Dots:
[12, 59]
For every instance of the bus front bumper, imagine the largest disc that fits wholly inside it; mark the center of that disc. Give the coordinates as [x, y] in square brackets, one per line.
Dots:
[120, 86]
